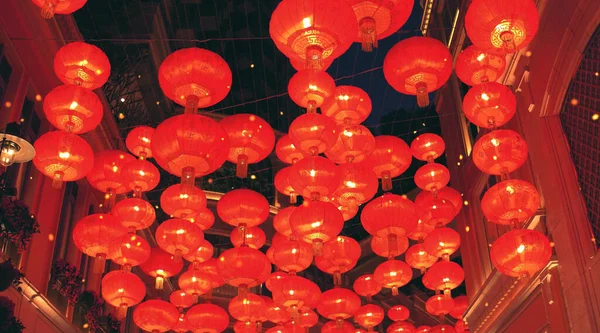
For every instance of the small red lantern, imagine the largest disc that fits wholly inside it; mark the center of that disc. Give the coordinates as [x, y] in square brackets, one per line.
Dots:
[155, 316]
[73, 109]
[444, 275]
[489, 105]
[313, 133]
[283, 183]
[316, 222]
[182, 201]
[296, 293]
[460, 326]
[207, 317]
[390, 159]
[122, 290]
[292, 256]
[93, 235]
[432, 177]
[179, 237]
[398, 313]
[393, 274]
[107, 174]
[417, 257]
[248, 308]
[521, 252]
[340, 255]
[161, 265]
[181, 300]
[203, 217]
[243, 209]
[315, 177]
[286, 151]
[309, 88]
[281, 221]
[426, 198]
[369, 316]
[436, 211]
[210, 271]
[359, 185]
[423, 329]
[338, 304]
[474, 66]
[423, 229]
[277, 314]
[244, 267]
[203, 253]
[500, 152]
[181, 326]
[244, 327]
[442, 328]
[377, 20]
[194, 282]
[274, 279]
[366, 286]
[510, 202]
[381, 246]
[63, 7]
[442, 243]
[309, 319]
[336, 326]
[141, 175]
[139, 141]
[255, 237]
[348, 106]
[129, 250]
[134, 213]
[82, 64]
[354, 144]
[403, 327]
[427, 147]
[461, 303]
[439, 305]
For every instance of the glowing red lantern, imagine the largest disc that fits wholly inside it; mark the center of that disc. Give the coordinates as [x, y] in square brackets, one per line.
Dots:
[340, 255]
[460, 326]
[63, 157]
[81, 64]
[432, 177]
[381, 246]
[286, 151]
[504, 26]
[182, 201]
[500, 152]
[510, 202]
[436, 211]
[369, 316]
[393, 274]
[347, 212]
[161, 265]
[314, 177]
[122, 290]
[442, 243]
[194, 282]
[377, 20]
[129, 250]
[521, 252]
[461, 303]
[489, 105]
[134, 213]
[366, 286]
[210, 270]
[93, 235]
[73, 109]
[426, 199]
[203, 217]
[255, 237]
[313, 133]
[64, 7]
[204, 252]
[418, 66]
[417, 257]
[316, 222]
[155, 316]
[248, 308]
[359, 185]
[390, 159]
[338, 304]
[423, 329]
[398, 313]
[427, 147]
[141, 175]
[402, 327]
[313, 31]
[423, 229]
[107, 174]
[308, 319]
[337, 326]
[439, 305]
[292, 256]
[296, 293]
[281, 221]
[277, 314]
[309, 88]
[244, 327]
[139, 141]
[474, 66]
[181, 300]
[181, 325]
[283, 183]
[354, 144]
[179, 237]
[274, 279]
[244, 267]
[442, 328]
[444, 275]
[207, 317]
[348, 106]
[243, 209]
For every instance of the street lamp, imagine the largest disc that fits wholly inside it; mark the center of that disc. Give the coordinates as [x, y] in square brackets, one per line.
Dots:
[14, 149]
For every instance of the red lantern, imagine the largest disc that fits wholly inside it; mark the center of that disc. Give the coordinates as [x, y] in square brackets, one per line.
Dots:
[403, 327]
[255, 237]
[155, 316]
[354, 144]
[207, 317]
[292, 256]
[460, 326]
[423, 329]
[134, 213]
[442, 328]
[194, 78]
[381, 246]
[281, 221]
[309, 88]
[129, 250]
[195, 282]
[182, 201]
[426, 199]
[315, 177]
[286, 151]
[93, 234]
[277, 314]
[139, 141]
[348, 106]
[359, 185]
[366, 286]
[274, 279]
[377, 20]
[432, 177]
[141, 175]
[243, 209]
[244, 327]
[502, 27]
[436, 211]
[316, 222]
[390, 159]
[500, 152]
[313, 31]
[203, 253]
[461, 303]
[204, 218]
[340, 326]
[521, 252]
[393, 274]
[283, 183]
[417, 257]
[73, 109]
[64, 7]
[338, 304]
[439, 305]
[474, 66]
[244, 267]
[418, 66]
[423, 229]
[369, 316]
[398, 313]
[62, 157]
[489, 105]
[181, 300]
[82, 64]
[510, 202]
[340, 255]
[296, 293]
[181, 325]
[248, 308]
[313, 133]
[427, 147]
[107, 174]
[277, 239]
[161, 265]
[309, 319]
[442, 243]
[444, 275]
[122, 290]
[347, 212]
[210, 270]
[179, 237]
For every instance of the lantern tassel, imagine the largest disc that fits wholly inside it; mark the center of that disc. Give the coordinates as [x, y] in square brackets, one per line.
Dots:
[177, 256]
[208, 296]
[159, 282]
[422, 94]
[314, 57]
[392, 246]
[293, 197]
[109, 198]
[100, 263]
[312, 107]
[242, 166]
[48, 9]
[508, 41]
[243, 290]
[258, 327]
[337, 278]
[317, 246]
[191, 105]
[368, 34]
[188, 178]
[122, 311]
[58, 179]
[394, 291]
[339, 323]
[386, 181]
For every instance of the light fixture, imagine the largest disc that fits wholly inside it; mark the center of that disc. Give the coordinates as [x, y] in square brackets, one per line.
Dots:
[13, 148]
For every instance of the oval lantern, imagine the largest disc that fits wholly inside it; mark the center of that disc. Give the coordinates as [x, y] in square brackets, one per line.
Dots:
[381, 246]
[510, 202]
[423, 229]
[134, 213]
[439, 305]
[489, 105]
[277, 314]
[437, 212]
[247, 309]
[194, 282]
[296, 293]
[316, 222]
[417, 257]
[442, 328]
[313, 133]
[179, 237]
[461, 303]
[460, 326]
[161, 265]
[155, 316]
[203, 217]
[390, 159]
[73, 109]
[444, 276]
[369, 316]
[315, 177]
[255, 237]
[403, 327]
[210, 271]
[398, 313]
[474, 66]
[427, 147]
[500, 152]
[432, 177]
[244, 327]
[521, 252]
[107, 174]
[82, 64]
[337, 327]
[93, 235]
[442, 242]
[340, 255]
[181, 300]
[207, 317]
[309, 88]
[393, 274]
[274, 279]
[182, 201]
[426, 198]
[292, 256]
[366, 286]
[141, 175]
[308, 319]
[244, 267]
[283, 184]
[354, 144]
[281, 221]
[203, 253]
[359, 185]
[139, 141]
[338, 304]
[63, 7]
[129, 250]
[286, 151]
[243, 208]
[348, 106]
[423, 329]
[122, 290]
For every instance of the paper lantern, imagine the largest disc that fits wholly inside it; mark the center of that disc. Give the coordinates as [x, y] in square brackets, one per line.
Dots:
[423, 229]
[283, 184]
[313, 31]
[73, 109]
[402, 327]
[274, 279]
[340, 255]
[417, 257]
[510, 202]
[398, 313]
[418, 66]
[155, 316]
[286, 151]
[461, 303]
[377, 20]
[489, 105]
[181, 325]
[107, 174]
[243, 208]
[348, 106]
[255, 237]
[359, 185]
[244, 327]
[426, 198]
[521, 252]
[474, 66]
[129, 250]
[179, 237]
[63, 157]
[341, 326]
[203, 217]
[444, 275]
[423, 329]
[313, 133]
[504, 26]
[141, 176]
[63, 7]
[81, 64]
[432, 177]
[203, 253]
[439, 305]
[122, 290]
[244, 267]
[427, 147]
[309, 88]
[460, 326]
[347, 212]
[181, 300]
[93, 235]
[139, 141]
[338, 304]
[296, 294]
[315, 177]
[281, 221]
[182, 201]
[316, 222]
[308, 319]
[354, 144]
[442, 328]
[276, 314]
[134, 213]
[248, 308]
[393, 274]
[390, 159]
[161, 265]
[500, 152]
[207, 317]
[442, 243]
[292, 256]
[210, 270]
[436, 211]
[194, 282]
[369, 316]
[366, 286]
[381, 246]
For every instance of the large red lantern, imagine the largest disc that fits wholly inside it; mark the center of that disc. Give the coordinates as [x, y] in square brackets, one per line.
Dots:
[474, 66]
[442, 328]
[248, 308]
[182, 201]
[432, 177]
[504, 26]
[134, 213]
[438, 305]
[312, 30]
[161, 265]
[141, 176]
[398, 313]
[73, 109]
[338, 326]
[521, 252]
[489, 105]
[254, 237]
[510, 202]
[426, 198]
[403, 327]
[107, 175]
[283, 183]
[313, 133]
[155, 316]
[63, 157]
[93, 235]
[251, 140]
[500, 152]
[348, 106]
[444, 275]
[427, 147]
[122, 290]
[393, 274]
[338, 304]
[461, 303]
[244, 267]
[316, 222]
[418, 66]
[194, 282]
[281, 221]
[359, 185]
[423, 329]
[423, 229]
[139, 141]
[129, 250]
[315, 177]
[181, 300]
[354, 144]
[207, 317]
[436, 211]
[203, 217]
[340, 255]
[292, 256]
[82, 64]
[210, 271]
[194, 78]
[390, 159]
[63, 7]
[309, 88]
[308, 319]
[366, 286]
[369, 316]
[296, 293]
[243, 208]
[274, 279]
[203, 253]
[381, 246]
[417, 257]
[442, 243]
[277, 314]
[179, 237]
[286, 151]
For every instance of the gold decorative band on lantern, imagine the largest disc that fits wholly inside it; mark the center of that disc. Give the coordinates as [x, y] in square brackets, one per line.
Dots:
[314, 57]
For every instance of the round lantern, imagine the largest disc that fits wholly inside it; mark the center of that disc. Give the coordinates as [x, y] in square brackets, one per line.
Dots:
[181, 300]
[390, 159]
[64, 7]
[283, 183]
[381, 246]
[427, 147]
[338, 304]
[438, 305]
[203, 217]
[423, 329]
[73, 109]
[194, 282]
[134, 213]
[316, 222]
[274, 279]
[194, 78]
[277, 314]
[423, 229]
[366, 286]
[359, 185]
[418, 66]
[504, 26]
[243, 209]
[255, 237]
[377, 20]
[432, 177]
[426, 198]
[122, 290]
[62, 157]
[444, 275]
[210, 271]
[369, 316]
[292, 256]
[139, 141]
[309, 88]
[354, 144]
[281, 221]
[313, 133]
[348, 106]
[296, 293]
[309, 319]
[107, 174]
[442, 243]
[244, 267]
[489, 105]
[347, 212]
[244, 327]
[460, 326]
[251, 140]
[179, 237]
[141, 176]
[182, 201]
[521, 252]
[340, 255]
[500, 152]
[510, 202]
[417, 257]
[248, 308]
[474, 66]
[286, 151]
[181, 325]
[339, 326]
[82, 64]
[398, 313]
[161, 265]
[203, 253]
[129, 250]
[442, 328]
[93, 235]
[155, 316]
[313, 31]
[461, 303]
[315, 177]
[403, 327]
[436, 211]
[393, 274]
